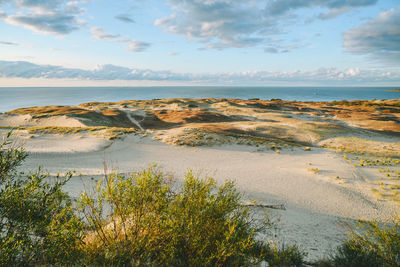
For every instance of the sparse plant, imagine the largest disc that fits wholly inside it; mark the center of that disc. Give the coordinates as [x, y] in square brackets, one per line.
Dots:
[314, 170]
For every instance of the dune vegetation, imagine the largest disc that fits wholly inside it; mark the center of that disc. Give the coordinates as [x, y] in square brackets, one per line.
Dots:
[218, 121]
[146, 220]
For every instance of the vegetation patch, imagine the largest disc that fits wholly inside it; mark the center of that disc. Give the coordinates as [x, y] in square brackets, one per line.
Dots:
[129, 221]
[107, 132]
[364, 146]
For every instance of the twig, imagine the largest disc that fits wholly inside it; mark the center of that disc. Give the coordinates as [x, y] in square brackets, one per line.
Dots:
[269, 206]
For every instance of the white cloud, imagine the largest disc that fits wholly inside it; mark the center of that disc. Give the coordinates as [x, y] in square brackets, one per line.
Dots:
[220, 24]
[378, 37]
[100, 34]
[46, 16]
[133, 45]
[23, 69]
[45, 23]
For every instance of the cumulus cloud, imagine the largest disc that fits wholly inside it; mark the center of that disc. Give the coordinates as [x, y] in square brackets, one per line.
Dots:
[133, 45]
[46, 16]
[220, 24]
[125, 18]
[23, 69]
[378, 37]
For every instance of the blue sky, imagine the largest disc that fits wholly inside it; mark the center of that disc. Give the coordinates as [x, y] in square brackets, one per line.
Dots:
[199, 42]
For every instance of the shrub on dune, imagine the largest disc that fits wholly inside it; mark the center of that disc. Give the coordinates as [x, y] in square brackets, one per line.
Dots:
[140, 220]
[38, 225]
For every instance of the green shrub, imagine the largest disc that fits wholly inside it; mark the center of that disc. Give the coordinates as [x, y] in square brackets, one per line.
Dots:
[140, 220]
[285, 257]
[371, 244]
[38, 225]
[128, 221]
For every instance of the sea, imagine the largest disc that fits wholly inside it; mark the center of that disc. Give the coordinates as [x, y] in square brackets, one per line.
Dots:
[18, 97]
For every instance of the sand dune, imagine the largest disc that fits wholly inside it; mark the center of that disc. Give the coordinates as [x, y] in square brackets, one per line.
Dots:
[327, 162]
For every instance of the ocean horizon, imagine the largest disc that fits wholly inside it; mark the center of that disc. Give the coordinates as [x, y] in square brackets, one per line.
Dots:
[18, 97]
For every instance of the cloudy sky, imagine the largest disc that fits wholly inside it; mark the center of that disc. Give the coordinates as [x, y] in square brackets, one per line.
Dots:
[199, 42]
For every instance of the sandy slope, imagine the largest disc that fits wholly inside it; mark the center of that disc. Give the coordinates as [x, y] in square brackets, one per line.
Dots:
[315, 202]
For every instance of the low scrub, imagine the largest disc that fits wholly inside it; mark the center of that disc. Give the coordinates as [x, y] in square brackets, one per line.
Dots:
[140, 220]
[129, 221]
[38, 224]
[371, 244]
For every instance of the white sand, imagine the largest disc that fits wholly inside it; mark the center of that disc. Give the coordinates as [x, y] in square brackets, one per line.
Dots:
[315, 202]
[15, 120]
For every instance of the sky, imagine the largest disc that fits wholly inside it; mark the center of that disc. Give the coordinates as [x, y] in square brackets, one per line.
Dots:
[199, 42]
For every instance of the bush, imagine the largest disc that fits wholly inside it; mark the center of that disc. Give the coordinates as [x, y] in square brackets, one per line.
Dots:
[140, 220]
[37, 222]
[371, 244]
[128, 221]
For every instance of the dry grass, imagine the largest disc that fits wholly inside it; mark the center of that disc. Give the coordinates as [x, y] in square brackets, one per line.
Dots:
[107, 132]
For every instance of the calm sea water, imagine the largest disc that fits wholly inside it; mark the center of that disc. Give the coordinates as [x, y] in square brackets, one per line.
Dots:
[17, 97]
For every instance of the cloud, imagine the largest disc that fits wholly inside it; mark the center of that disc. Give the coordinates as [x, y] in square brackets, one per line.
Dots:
[7, 43]
[48, 5]
[23, 69]
[101, 34]
[138, 46]
[220, 24]
[378, 37]
[46, 16]
[171, 54]
[133, 45]
[125, 18]
[45, 23]
[335, 7]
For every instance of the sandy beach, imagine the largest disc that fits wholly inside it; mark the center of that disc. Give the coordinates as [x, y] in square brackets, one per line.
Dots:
[321, 188]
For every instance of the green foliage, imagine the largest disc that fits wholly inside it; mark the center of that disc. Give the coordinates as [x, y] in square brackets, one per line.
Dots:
[139, 220]
[10, 158]
[285, 257]
[371, 244]
[37, 221]
[128, 221]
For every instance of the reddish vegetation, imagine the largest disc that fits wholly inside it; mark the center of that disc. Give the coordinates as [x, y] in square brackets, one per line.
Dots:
[377, 115]
[50, 111]
[104, 117]
[190, 116]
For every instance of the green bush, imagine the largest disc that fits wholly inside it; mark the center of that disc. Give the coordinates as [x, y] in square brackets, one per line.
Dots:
[128, 221]
[371, 244]
[38, 225]
[139, 220]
